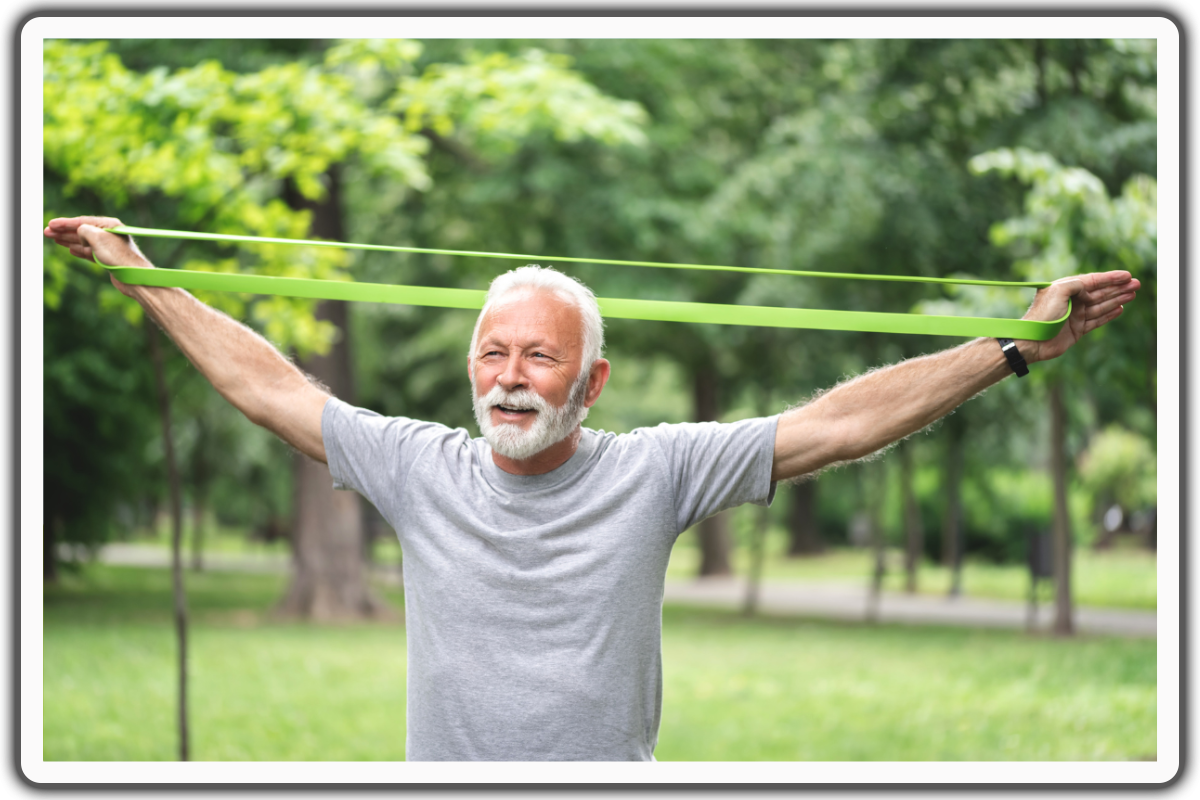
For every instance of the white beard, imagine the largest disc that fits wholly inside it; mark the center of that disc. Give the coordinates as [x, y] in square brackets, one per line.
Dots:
[552, 424]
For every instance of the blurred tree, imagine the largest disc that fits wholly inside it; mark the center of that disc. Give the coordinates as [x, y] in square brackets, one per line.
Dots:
[914, 534]
[206, 141]
[804, 534]
[846, 156]
[490, 102]
[1071, 225]
[839, 155]
[952, 520]
[873, 475]
[98, 418]
[1119, 466]
[175, 490]
[225, 150]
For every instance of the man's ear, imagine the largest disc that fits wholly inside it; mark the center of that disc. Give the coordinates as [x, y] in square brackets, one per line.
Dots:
[601, 370]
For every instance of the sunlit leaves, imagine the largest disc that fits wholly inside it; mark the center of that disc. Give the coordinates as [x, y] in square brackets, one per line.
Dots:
[1121, 464]
[495, 100]
[1070, 223]
[221, 145]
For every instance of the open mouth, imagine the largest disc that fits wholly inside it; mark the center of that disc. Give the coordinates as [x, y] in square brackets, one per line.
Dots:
[513, 410]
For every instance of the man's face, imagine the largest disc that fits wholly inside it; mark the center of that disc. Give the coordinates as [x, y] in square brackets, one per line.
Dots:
[527, 373]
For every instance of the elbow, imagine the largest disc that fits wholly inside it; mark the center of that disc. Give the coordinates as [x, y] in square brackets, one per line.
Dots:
[806, 448]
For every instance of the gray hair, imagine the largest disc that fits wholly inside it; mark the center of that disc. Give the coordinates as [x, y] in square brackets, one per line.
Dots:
[537, 278]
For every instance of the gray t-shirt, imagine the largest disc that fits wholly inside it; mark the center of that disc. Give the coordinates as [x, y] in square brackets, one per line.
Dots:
[533, 604]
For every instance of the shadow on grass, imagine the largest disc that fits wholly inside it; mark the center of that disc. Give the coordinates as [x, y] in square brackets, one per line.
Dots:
[105, 594]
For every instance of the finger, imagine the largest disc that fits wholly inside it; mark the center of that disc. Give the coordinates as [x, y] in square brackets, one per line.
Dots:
[73, 246]
[1098, 280]
[1113, 292]
[1092, 324]
[90, 236]
[86, 233]
[72, 223]
[1124, 293]
[1101, 309]
[66, 239]
[62, 224]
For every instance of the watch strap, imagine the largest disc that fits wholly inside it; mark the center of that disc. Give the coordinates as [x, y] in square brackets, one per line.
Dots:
[1015, 359]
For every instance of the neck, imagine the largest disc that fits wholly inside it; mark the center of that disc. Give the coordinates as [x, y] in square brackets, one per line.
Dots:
[548, 460]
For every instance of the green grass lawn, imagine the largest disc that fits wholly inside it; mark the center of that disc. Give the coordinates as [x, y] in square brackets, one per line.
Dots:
[765, 689]
[782, 690]
[1125, 578]
[1122, 578]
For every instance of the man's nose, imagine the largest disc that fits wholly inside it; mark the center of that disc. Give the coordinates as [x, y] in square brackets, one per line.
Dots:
[512, 377]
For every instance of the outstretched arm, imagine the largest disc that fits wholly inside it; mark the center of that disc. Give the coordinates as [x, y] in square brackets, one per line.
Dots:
[871, 411]
[244, 367]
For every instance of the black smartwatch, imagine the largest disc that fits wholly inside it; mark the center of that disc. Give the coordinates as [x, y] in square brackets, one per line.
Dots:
[1015, 359]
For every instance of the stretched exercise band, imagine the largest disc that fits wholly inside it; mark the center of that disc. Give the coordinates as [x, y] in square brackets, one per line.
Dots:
[621, 308]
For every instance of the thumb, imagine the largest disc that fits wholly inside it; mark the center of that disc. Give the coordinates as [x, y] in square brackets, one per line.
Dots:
[1068, 287]
[89, 234]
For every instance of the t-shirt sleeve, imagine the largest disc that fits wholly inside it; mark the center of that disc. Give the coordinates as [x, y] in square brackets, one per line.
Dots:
[370, 453]
[715, 466]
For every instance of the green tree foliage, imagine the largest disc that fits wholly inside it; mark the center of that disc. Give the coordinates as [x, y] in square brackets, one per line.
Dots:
[98, 412]
[833, 155]
[180, 140]
[1119, 465]
[216, 146]
[836, 155]
[1071, 225]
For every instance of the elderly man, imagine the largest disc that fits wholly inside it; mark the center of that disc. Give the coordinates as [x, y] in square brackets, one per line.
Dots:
[535, 557]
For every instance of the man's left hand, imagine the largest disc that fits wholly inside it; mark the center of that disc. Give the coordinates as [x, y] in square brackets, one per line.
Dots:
[1096, 299]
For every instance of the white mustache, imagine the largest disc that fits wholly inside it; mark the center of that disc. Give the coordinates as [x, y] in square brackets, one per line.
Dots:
[519, 400]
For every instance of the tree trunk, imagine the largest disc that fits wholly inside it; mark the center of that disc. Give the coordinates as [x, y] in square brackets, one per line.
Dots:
[199, 507]
[329, 579]
[914, 534]
[874, 479]
[804, 536]
[164, 408]
[716, 541]
[952, 538]
[757, 555]
[200, 479]
[1064, 624]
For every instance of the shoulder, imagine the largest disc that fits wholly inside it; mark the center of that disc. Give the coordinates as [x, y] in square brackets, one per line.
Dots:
[686, 439]
[677, 431]
[345, 421]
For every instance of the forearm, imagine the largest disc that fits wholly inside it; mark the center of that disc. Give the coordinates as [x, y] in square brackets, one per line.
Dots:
[871, 411]
[239, 363]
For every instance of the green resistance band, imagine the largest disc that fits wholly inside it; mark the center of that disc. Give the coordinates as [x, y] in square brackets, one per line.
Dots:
[618, 308]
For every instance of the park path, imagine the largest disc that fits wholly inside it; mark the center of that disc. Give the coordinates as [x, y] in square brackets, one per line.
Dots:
[839, 600]
[851, 601]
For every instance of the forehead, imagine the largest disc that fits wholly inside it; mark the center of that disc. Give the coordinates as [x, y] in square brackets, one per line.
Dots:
[538, 316]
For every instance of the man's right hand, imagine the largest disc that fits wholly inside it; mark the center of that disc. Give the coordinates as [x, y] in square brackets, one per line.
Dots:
[85, 237]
